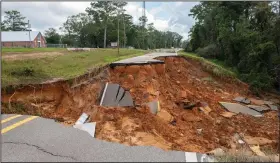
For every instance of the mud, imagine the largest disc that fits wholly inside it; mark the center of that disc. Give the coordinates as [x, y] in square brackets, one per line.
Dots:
[174, 128]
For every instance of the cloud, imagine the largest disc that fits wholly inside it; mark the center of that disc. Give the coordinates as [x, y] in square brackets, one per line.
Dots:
[43, 15]
[165, 16]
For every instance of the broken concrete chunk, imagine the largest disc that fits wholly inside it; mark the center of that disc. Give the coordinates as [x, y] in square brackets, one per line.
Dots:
[88, 127]
[258, 108]
[273, 107]
[199, 131]
[242, 100]
[82, 119]
[205, 109]
[164, 115]
[115, 95]
[228, 114]
[154, 106]
[256, 150]
[238, 108]
[257, 140]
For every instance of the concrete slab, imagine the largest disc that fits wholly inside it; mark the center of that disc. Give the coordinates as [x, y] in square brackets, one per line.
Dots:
[238, 108]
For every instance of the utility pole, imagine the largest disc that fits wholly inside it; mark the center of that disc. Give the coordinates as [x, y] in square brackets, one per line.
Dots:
[118, 32]
[124, 34]
[29, 28]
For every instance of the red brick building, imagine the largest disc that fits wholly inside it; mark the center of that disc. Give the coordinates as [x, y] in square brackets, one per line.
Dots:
[22, 39]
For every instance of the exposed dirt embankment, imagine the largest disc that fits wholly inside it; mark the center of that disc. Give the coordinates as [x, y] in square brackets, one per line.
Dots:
[176, 80]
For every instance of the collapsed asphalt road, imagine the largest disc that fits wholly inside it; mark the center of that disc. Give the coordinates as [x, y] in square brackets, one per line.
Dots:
[44, 140]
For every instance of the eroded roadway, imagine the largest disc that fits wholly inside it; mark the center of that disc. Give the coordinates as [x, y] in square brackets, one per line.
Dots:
[27, 138]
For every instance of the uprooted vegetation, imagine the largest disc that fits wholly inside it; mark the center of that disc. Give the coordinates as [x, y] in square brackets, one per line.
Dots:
[173, 128]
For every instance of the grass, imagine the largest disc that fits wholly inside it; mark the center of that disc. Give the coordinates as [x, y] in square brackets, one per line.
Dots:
[213, 66]
[67, 66]
[29, 50]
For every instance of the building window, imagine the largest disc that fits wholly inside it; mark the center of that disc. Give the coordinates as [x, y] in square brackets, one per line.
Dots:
[39, 37]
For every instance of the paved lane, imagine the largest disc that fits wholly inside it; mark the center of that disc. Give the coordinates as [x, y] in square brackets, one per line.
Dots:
[43, 139]
[143, 59]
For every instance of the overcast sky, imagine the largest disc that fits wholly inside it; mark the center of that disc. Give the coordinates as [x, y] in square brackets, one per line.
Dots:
[171, 16]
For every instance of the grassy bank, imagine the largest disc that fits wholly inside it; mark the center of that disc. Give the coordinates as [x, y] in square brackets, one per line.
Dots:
[67, 66]
[214, 66]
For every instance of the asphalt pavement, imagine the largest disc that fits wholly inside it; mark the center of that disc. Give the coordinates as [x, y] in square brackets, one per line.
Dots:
[143, 59]
[41, 139]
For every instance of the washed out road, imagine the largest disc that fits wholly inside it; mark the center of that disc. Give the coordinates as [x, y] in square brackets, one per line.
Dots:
[28, 138]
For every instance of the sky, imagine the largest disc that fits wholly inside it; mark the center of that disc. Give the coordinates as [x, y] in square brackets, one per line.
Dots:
[172, 16]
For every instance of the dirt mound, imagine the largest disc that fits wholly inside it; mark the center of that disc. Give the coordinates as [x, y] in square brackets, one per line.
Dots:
[177, 129]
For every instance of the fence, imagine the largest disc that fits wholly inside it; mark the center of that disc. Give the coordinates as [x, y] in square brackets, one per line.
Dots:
[56, 45]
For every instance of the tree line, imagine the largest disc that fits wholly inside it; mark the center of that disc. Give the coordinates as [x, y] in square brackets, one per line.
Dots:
[98, 27]
[244, 35]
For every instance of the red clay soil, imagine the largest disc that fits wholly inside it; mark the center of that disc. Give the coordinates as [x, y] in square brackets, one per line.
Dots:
[176, 80]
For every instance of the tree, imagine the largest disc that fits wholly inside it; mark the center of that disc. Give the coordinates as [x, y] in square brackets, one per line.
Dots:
[14, 21]
[244, 35]
[52, 37]
[102, 12]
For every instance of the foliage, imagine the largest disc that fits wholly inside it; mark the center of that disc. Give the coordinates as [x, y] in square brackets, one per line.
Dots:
[244, 35]
[98, 27]
[52, 37]
[13, 21]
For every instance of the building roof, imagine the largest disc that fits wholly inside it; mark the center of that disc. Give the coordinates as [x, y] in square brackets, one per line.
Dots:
[13, 36]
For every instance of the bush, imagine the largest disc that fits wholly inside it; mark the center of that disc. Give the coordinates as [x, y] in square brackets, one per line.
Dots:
[258, 81]
[210, 51]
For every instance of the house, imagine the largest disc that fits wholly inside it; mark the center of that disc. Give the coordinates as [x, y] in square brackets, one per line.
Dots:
[22, 39]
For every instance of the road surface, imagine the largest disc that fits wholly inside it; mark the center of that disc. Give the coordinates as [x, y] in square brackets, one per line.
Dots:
[143, 59]
[40, 139]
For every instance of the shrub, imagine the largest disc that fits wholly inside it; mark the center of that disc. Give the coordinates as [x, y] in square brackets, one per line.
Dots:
[210, 51]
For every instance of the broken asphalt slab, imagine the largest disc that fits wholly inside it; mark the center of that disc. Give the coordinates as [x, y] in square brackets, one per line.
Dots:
[258, 108]
[242, 100]
[115, 95]
[238, 108]
[273, 107]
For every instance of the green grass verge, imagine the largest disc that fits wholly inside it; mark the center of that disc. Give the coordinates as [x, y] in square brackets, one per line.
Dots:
[215, 67]
[67, 66]
[30, 50]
